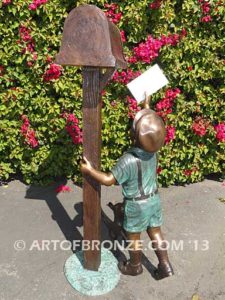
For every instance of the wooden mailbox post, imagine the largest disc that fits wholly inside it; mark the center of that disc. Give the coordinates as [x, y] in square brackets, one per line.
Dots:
[90, 40]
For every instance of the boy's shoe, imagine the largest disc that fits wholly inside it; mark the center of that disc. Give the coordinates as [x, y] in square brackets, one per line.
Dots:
[127, 268]
[164, 270]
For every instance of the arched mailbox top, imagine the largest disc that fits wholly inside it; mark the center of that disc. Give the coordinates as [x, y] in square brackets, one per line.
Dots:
[90, 39]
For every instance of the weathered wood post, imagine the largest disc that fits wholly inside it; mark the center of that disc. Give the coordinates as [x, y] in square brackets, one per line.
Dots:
[90, 40]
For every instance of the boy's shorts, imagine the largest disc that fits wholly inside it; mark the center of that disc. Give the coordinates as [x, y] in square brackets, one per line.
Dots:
[139, 215]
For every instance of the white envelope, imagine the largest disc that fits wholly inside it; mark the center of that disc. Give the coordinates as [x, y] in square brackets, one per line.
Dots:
[150, 82]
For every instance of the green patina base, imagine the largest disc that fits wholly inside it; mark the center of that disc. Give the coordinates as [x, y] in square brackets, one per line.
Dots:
[92, 283]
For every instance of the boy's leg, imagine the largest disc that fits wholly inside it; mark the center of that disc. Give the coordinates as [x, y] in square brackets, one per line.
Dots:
[159, 245]
[133, 266]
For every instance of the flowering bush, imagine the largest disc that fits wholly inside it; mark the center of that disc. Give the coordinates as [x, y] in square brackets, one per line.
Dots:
[41, 102]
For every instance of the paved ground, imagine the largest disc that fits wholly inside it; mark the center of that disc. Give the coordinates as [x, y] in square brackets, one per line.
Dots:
[193, 217]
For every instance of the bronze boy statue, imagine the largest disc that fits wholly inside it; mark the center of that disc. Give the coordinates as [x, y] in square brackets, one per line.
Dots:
[136, 172]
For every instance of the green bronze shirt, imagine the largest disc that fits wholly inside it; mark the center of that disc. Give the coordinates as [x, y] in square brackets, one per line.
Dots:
[126, 172]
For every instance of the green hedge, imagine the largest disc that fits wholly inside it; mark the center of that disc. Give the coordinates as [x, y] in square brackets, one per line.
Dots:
[40, 111]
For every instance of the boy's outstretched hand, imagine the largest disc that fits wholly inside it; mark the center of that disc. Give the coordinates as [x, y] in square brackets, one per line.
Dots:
[85, 166]
[146, 101]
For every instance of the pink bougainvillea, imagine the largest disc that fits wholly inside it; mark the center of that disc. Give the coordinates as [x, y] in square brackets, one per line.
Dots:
[48, 59]
[28, 133]
[170, 134]
[6, 2]
[147, 51]
[53, 72]
[123, 37]
[25, 34]
[36, 3]
[63, 188]
[164, 106]
[188, 172]
[220, 132]
[125, 76]
[155, 4]
[159, 170]
[113, 12]
[206, 9]
[26, 38]
[133, 107]
[72, 127]
[200, 126]
[206, 19]
[113, 103]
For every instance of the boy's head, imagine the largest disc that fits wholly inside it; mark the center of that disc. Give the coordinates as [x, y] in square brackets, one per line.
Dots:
[148, 130]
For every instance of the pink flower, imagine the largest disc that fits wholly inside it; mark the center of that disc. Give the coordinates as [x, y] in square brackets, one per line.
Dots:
[30, 63]
[25, 34]
[123, 37]
[32, 6]
[28, 134]
[220, 132]
[63, 188]
[125, 77]
[36, 3]
[206, 19]
[72, 127]
[205, 8]
[159, 170]
[53, 72]
[200, 126]
[113, 103]
[187, 172]
[113, 12]
[147, 51]
[6, 2]
[133, 107]
[35, 56]
[27, 39]
[170, 134]
[155, 5]
[172, 93]
[48, 59]
[132, 59]
[164, 106]
[183, 32]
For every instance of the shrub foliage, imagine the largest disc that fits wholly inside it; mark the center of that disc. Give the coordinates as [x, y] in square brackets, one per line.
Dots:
[41, 102]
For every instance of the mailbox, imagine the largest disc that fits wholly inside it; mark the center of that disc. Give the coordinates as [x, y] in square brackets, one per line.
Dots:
[90, 39]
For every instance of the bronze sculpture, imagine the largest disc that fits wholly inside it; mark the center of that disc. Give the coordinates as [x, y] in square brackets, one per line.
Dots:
[136, 172]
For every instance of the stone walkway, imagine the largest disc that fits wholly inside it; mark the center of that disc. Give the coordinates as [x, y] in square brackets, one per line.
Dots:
[30, 268]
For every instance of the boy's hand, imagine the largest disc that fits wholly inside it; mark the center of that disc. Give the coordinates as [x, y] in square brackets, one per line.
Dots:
[146, 101]
[85, 166]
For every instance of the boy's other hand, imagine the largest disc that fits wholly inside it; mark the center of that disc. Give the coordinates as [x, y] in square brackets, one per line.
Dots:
[85, 166]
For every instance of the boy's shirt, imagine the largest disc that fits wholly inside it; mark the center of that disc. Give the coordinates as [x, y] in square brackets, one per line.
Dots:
[126, 172]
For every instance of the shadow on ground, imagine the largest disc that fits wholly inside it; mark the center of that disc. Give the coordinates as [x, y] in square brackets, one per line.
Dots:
[69, 226]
